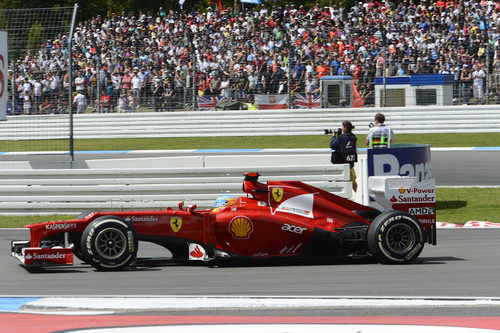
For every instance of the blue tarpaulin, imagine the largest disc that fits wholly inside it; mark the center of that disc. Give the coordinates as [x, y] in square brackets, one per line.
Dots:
[256, 2]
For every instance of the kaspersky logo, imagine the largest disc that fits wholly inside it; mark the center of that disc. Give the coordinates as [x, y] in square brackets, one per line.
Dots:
[60, 226]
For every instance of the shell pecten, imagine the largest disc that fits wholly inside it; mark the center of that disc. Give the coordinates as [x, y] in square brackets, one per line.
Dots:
[240, 227]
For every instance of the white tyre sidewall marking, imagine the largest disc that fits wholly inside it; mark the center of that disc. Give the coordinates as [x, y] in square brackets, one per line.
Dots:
[381, 240]
[91, 233]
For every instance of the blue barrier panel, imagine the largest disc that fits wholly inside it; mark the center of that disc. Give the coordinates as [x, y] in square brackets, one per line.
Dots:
[410, 160]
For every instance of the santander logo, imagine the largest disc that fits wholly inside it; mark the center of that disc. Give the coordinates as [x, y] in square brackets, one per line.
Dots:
[197, 252]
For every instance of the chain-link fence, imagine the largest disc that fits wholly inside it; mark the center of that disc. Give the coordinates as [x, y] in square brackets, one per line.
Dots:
[369, 55]
[38, 78]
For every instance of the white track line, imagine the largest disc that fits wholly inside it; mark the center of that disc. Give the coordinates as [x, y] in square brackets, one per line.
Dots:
[244, 303]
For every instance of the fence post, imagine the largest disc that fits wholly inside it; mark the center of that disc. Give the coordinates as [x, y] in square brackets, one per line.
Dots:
[70, 86]
[488, 81]
[289, 81]
[98, 81]
[13, 87]
[384, 65]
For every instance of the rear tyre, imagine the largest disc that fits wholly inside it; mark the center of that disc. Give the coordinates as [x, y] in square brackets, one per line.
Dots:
[109, 243]
[395, 237]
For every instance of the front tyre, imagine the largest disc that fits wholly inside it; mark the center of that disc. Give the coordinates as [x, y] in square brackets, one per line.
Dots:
[395, 237]
[109, 243]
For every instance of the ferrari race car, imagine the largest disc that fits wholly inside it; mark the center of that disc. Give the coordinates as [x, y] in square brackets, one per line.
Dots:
[277, 219]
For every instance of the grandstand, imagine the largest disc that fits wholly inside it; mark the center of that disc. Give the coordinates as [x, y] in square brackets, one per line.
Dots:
[201, 60]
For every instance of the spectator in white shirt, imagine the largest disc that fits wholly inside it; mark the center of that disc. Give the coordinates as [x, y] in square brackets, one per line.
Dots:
[478, 76]
[81, 102]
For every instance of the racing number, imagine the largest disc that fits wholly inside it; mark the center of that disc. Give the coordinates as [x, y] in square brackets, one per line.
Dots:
[293, 228]
[350, 158]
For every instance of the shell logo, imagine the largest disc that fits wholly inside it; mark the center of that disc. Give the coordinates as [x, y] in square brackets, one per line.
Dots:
[402, 190]
[240, 227]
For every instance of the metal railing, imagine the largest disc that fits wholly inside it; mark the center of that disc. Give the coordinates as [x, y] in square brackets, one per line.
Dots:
[450, 119]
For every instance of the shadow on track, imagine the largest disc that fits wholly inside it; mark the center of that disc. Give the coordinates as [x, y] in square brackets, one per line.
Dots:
[437, 260]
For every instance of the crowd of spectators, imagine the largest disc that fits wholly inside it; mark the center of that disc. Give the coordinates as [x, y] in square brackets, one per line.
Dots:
[165, 60]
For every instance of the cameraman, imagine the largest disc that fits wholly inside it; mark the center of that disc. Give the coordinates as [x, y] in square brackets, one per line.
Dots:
[380, 135]
[343, 144]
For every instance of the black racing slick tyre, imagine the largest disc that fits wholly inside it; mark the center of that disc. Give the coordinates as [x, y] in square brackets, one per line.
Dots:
[395, 237]
[75, 238]
[109, 243]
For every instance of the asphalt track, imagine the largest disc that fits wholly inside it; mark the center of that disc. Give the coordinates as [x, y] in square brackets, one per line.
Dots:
[465, 263]
[466, 168]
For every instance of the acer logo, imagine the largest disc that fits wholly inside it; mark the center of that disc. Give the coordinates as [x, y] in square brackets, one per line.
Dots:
[293, 228]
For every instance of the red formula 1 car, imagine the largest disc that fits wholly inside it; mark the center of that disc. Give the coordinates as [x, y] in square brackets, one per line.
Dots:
[277, 219]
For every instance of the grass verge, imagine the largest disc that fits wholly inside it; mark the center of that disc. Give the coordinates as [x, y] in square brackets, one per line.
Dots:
[459, 205]
[455, 205]
[245, 142]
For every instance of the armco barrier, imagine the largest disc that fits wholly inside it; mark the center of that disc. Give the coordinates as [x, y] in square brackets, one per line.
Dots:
[121, 185]
[429, 119]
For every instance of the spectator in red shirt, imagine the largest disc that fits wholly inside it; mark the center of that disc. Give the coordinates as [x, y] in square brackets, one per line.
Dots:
[46, 107]
[105, 102]
[322, 70]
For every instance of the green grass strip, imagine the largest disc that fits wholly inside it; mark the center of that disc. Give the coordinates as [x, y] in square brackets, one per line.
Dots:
[459, 205]
[245, 142]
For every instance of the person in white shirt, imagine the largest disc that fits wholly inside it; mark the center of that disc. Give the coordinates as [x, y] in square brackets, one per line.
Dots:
[478, 76]
[136, 88]
[122, 103]
[54, 85]
[81, 102]
[80, 83]
[27, 103]
[26, 87]
[37, 93]
[380, 135]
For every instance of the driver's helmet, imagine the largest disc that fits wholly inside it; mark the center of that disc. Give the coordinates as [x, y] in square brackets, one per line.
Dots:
[224, 201]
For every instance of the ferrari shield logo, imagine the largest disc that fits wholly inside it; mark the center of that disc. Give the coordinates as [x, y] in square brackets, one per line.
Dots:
[175, 223]
[277, 194]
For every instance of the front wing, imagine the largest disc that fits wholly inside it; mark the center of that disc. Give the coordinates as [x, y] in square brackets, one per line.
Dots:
[40, 256]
